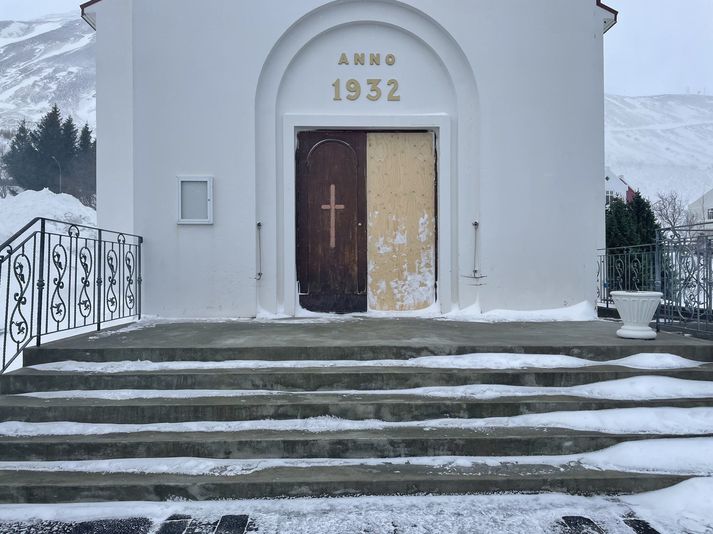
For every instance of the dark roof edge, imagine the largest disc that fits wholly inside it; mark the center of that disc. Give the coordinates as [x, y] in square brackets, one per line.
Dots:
[605, 7]
[89, 20]
[92, 22]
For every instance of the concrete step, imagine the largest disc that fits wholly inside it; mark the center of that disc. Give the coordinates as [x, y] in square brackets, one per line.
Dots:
[383, 406]
[65, 350]
[321, 379]
[254, 444]
[355, 338]
[63, 486]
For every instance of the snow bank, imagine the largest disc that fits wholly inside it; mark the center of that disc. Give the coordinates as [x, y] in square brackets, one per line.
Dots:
[490, 361]
[17, 211]
[685, 507]
[634, 388]
[677, 456]
[654, 421]
[584, 311]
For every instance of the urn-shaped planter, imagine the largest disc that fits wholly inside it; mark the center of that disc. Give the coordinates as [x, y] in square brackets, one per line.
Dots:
[636, 309]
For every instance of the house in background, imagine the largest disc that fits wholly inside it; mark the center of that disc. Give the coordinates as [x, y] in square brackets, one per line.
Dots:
[346, 156]
[701, 209]
[616, 187]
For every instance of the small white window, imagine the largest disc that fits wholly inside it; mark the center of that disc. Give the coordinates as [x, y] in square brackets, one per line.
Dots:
[195, 200]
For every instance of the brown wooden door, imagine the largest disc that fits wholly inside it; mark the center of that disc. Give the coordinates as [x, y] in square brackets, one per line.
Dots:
[331, 213]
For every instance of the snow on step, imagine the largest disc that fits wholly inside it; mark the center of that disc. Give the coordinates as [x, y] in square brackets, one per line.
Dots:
[495, 361]
[664, 420]
[675, 456]
[634, 388]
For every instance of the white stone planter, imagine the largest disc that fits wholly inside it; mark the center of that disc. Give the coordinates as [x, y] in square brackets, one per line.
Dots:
[636, 309]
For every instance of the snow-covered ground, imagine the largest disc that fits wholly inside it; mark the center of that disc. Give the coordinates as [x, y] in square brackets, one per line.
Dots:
[46, 61]
[17, 211]
[684, 508]
[661, 143]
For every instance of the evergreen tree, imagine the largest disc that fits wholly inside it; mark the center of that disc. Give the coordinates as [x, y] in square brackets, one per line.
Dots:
[69, 141]
[84, 145]
[620, 227]
[21, 159]
[644, 220]
[632, 224]
[84, 168]
[54, 150]
[49, 143]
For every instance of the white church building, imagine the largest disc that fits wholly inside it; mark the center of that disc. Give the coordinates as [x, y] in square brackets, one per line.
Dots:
[353, 155]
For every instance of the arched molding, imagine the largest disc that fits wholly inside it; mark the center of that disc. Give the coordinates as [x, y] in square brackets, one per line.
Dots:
[458, 203]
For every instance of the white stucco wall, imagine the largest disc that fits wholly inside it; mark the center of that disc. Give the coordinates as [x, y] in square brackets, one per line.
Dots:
[514, 89]
[115, 117]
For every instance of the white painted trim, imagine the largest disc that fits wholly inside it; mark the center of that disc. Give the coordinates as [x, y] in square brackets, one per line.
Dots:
[439, 123]
[209, 199]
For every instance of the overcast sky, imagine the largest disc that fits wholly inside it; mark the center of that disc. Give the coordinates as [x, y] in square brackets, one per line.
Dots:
[29, 9]
[659, 46]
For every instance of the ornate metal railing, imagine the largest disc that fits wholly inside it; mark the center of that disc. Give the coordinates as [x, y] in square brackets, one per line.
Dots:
[686, 279]
[57, 276]
[679, 264]
[625, 269]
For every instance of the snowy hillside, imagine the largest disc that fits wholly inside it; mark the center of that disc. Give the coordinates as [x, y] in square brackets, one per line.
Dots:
[661, 143]
[46, 61]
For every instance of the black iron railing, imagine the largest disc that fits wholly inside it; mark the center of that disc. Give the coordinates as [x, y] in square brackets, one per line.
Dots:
[679, 265]
[625, 269]
[57, 276]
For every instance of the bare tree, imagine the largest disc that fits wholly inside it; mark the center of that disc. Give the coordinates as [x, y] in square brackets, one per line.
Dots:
[671, 212]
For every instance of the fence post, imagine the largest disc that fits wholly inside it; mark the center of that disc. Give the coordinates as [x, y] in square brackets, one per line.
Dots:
[40, 283]
[658, 282]
[99, 259]
[139, 278]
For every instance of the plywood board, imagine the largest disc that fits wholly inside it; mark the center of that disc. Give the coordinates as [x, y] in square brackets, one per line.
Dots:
[401, 249]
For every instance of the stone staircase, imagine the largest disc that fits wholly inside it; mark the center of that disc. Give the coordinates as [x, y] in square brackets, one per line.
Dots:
[264, 428]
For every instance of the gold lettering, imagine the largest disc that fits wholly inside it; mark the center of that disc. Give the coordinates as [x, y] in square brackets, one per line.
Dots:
[343, 60]
[337, 94]
[390, 59]
[374, 59]
[393, 97]
[359, 59]
[375, 90]
[354, 89]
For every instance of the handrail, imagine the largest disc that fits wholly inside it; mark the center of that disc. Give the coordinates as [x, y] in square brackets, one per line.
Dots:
[17, 234]
[53, 280]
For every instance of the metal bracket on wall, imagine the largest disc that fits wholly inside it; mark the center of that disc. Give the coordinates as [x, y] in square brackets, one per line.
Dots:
[258, 276]
[476, 273]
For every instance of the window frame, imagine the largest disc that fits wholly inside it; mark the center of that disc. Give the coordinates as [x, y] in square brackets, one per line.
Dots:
[209, 200]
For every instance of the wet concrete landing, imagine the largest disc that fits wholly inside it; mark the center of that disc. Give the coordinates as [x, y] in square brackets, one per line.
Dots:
[362, 338]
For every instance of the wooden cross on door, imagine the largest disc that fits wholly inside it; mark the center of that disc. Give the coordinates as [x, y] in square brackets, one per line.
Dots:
[332, 207]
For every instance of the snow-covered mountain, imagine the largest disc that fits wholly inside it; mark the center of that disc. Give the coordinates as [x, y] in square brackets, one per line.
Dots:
[661, 143]
[46, 61]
